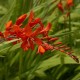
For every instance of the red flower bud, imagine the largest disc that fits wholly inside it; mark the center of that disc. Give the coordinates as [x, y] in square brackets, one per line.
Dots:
[21, 19]
[60, 7]
[41, 50]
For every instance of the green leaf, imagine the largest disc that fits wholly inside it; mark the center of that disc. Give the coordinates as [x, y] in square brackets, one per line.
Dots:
[54, 61]
[77, 77]
[14, 59]
[7, 16]
[40, 74]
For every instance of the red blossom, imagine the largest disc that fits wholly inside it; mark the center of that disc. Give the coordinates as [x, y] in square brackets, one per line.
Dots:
[8, 25]
[48, 46]
[36, 21]
[1, 34]
[6, 34]
[38, 41]
[21, 19]
[45, 30]
[28, 30]
[24, 45]
[53, 39]
[36, 32]
[69, 3]
[58, 43]
[75, 58]
[31, 17]
[33, 34]
[60, 7]
[41, 49]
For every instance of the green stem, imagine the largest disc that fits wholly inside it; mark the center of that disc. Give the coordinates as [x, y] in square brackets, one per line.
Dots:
[6, 69]
[70, 23]
[62, 34]
[6, 64]
[20, 65]
[62, 59]
[70, 29]
[35, 65]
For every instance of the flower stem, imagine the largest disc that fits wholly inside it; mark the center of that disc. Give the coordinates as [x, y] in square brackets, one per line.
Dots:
[20, 65]
[70, 29]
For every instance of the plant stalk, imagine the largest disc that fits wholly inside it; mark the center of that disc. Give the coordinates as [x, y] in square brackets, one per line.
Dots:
[20, 65]
[70, 29]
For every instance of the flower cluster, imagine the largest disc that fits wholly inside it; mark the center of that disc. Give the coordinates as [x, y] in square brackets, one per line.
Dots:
[69, 4]
[33, 33]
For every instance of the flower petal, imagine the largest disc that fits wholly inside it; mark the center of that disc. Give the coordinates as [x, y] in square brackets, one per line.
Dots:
[75, 58]
[47, 28]
[36, 32]
[53, 39]
[41, 24]
[8, 25]
[38, 41]
[31, 44]
[21, 19]
[41, 50]
[1, 34]
[6, 34]
[28, 30]
[60, 7]
[58, 43]
[47, 46]
[31, 16]
[16, 28]
[36, 21]
[24, 46]
[70, 3]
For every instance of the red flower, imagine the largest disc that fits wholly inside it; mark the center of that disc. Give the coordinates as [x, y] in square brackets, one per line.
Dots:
[37, 20]
[48, 46]
[30, 37]
[32, 21]
[33, 34]
[31, 17]
[53, 39]
[21, 19]
[45, 30]
[70, 3]
[6, 34]
[75, 58]
[1, 34]
[8, 25]
[14, 29]
[60, 7]
[41, 50]
[24, 45]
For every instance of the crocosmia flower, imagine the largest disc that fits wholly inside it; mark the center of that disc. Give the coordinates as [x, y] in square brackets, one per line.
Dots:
[41, 49]
[34, 33]
[60, 7]
[69, 3]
